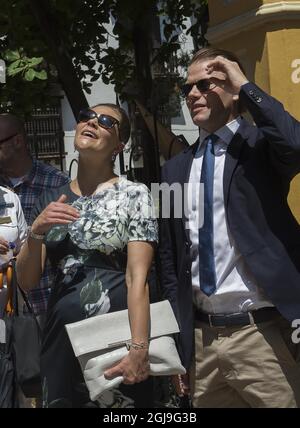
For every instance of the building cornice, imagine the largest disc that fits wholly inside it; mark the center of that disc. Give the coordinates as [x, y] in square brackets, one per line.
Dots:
[279, 11]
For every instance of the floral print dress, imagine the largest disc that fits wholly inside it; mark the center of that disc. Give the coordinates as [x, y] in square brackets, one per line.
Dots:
[90, 257]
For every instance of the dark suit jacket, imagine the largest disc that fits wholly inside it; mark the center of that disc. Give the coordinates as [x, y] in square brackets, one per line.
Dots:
[260, 163]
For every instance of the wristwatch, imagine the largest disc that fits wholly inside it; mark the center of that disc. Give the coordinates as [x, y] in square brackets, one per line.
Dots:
[34, 235]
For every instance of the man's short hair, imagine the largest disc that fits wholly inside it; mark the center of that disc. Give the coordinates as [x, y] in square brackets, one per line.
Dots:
[124, 123]
[211, 53]
[14, 123]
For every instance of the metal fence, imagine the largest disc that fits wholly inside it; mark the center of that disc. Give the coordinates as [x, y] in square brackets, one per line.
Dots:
[45, 135]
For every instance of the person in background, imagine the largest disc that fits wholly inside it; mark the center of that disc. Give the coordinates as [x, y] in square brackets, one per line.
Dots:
[99, 232]
[233, 273]
[13, 232]
[28, 178]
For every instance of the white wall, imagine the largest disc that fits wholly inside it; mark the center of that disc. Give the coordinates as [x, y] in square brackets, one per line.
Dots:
[183, 124]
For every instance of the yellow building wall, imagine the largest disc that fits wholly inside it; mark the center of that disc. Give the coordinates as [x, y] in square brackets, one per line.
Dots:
[267, 44]
[222, 10]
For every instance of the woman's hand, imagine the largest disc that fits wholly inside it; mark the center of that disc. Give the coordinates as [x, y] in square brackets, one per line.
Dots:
[3, 246]
[134, 367]
[55, 213]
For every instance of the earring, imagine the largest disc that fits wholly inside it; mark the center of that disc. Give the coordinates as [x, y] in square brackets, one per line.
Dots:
[114, 155]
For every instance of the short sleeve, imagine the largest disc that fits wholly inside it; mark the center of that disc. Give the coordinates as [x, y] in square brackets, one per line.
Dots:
[142, 224]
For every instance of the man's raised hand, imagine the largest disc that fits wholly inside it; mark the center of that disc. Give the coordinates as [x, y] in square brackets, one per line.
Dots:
[226, 74]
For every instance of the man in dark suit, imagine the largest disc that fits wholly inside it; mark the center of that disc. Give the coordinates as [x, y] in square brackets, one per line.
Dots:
[231, 264]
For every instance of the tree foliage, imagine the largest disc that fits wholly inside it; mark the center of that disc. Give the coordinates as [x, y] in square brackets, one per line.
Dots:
[80, 31]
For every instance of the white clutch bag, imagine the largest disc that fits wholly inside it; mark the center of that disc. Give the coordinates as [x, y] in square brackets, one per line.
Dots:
[99, 342]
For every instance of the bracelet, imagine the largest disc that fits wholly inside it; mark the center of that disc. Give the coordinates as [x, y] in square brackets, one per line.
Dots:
[35, 235]
[137, 346]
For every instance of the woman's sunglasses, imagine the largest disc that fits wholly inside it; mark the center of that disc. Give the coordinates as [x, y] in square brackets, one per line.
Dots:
[203, 85]
[104, 120]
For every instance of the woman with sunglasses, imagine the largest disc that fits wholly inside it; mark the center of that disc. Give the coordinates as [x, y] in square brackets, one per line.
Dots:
[98, 232]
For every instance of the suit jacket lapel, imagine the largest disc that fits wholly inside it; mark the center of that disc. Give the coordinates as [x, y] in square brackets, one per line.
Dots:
[185, 169]
[186, 163]
[232, 157]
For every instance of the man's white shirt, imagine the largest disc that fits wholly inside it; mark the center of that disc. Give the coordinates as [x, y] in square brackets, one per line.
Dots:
[236, 287]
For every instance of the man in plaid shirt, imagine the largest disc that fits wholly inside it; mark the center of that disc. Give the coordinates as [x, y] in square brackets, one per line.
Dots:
[28, 178]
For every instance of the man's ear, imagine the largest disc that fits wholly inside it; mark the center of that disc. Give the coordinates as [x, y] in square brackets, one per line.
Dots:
[17, 141]
[20, 141]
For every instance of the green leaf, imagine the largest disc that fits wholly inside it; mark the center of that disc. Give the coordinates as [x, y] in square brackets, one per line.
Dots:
[88, 91]
[35, 61]
[12, 55]
[95, 78]
[30, 75]
[14, 71]
[14, 64]
[42, 75]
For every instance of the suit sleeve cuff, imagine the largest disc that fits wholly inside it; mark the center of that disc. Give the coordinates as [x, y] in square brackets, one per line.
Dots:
[251, 94]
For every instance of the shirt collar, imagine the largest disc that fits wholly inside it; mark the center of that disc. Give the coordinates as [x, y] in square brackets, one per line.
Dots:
[226, 133]
[27, 178]
[32, 173]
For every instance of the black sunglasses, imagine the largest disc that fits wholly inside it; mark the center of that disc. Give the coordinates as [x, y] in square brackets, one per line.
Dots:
[203, 85]
[104, 120]
[8, 138]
